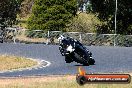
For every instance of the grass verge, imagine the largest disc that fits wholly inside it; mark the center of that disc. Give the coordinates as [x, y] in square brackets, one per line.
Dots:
[53, 82]
[13, 62]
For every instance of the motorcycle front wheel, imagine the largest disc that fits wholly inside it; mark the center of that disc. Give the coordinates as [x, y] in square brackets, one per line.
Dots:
[68, 59]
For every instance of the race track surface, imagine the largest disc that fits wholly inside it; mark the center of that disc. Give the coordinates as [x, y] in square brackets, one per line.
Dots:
[108, 59]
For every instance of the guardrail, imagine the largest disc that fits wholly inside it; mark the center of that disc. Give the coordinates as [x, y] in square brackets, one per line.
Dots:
[8, 34]
[95, 39]
[89, 39]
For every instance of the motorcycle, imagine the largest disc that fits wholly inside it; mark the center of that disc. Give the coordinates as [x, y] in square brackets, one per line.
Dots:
[73, 50]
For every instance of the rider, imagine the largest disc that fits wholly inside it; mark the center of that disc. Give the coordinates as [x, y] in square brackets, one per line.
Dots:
[68, 43]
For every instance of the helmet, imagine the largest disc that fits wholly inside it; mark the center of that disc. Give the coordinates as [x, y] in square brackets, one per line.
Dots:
[61, 38]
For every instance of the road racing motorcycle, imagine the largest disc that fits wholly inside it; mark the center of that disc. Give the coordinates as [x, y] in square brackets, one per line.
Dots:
[73, 50]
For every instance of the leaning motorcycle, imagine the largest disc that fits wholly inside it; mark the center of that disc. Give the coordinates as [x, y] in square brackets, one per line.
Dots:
[73, 50]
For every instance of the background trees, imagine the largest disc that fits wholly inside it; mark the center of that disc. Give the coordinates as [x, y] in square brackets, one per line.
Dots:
[105, 9]
[52, 14]
[8, 11]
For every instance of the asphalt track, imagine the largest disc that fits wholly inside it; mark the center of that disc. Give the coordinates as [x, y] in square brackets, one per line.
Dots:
[108, 59]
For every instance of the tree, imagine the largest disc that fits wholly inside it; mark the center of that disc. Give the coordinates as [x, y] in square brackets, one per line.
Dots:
[84, 22]
[8, 11]
[105, 10]
[52, 14]
[26, 8]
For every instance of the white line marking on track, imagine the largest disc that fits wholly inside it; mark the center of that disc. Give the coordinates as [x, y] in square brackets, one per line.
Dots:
[48, 63]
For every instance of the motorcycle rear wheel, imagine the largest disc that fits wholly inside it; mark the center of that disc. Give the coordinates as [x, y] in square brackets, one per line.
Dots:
[80, 59]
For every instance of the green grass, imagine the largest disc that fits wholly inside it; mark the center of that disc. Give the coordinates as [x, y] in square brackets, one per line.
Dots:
[13, 62]
[53, 82]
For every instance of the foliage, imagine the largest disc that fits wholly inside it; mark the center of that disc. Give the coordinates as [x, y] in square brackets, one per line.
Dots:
[51, 14]
[34, 34]
[8, 11]
[105, 10]
[84, 23]
[26, 8]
